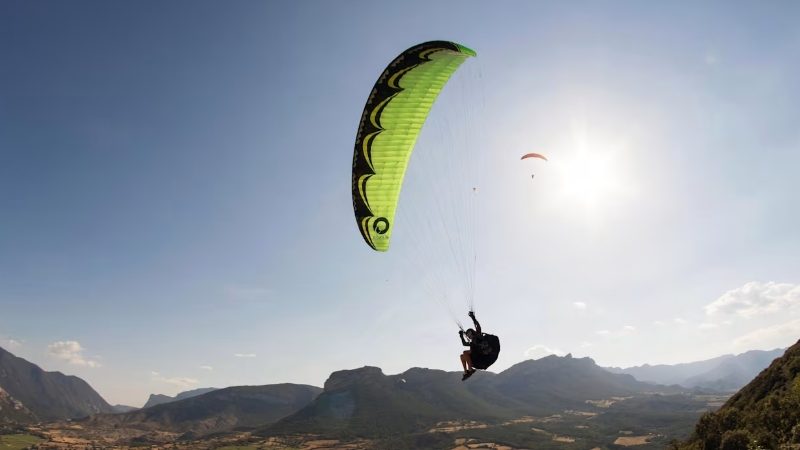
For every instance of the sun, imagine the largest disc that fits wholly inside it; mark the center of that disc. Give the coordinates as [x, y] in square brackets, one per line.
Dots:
[591, 177]
[588, 179]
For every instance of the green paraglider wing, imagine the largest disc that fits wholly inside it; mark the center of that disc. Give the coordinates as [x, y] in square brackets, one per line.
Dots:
[393, 116]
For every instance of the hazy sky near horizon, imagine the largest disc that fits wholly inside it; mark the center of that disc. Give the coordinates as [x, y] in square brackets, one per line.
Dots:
[175, 205]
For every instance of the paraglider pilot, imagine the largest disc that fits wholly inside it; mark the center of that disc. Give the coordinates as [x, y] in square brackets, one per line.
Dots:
[483, 348]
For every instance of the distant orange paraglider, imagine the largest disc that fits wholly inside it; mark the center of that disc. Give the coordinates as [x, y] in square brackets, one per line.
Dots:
[533, 155]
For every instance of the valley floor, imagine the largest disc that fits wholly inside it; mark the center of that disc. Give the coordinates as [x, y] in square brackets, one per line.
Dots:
[641, 423]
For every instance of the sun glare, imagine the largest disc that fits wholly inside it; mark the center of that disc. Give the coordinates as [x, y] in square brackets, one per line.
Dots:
[587, 178]
[592, 178]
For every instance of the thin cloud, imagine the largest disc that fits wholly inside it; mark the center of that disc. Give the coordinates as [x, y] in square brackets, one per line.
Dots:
[540, 351]
[756, 298]
[780, 335]
[244, 355]
[579, 305]
[178, 382]
[10, 343]
[624, 331]
[707, 326]
[209, 368]
[71, 352]
[680, 321]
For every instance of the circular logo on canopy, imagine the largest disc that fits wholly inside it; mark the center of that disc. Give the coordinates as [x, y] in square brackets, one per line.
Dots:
[381, 225]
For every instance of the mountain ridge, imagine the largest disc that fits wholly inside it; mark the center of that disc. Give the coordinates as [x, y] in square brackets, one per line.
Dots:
[764, 414]
[366, 402]
[215, 411]
[159, 399]
[48, 395]
[725, 373]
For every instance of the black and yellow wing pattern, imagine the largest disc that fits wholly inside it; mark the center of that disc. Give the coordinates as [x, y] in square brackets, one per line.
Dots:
[390, 124]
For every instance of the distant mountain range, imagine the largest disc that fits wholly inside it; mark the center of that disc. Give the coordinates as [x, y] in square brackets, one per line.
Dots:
[419, 408]
[215, 411]
[29, 393]
[399, 411]
[124, 408]
[160, 399]
[726, 373]
[763, 414]
[365, 402]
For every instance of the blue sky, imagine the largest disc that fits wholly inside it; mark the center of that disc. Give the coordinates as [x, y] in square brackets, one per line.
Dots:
[175, 203]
